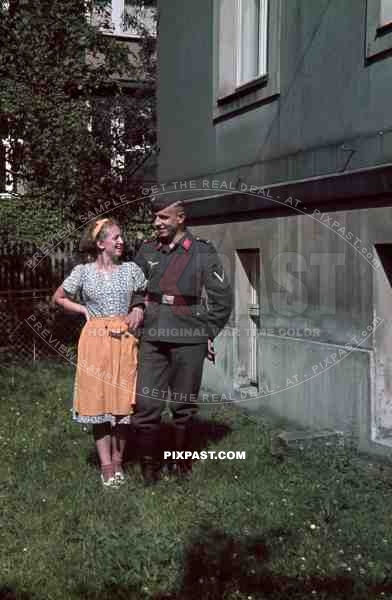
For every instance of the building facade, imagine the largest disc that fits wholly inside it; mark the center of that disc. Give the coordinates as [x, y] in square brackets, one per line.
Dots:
[275, 128]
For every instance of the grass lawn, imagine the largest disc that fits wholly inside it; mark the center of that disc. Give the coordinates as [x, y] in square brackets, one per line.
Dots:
[316, 525]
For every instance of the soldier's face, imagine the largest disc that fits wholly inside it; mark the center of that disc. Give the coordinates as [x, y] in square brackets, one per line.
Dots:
[168, 222]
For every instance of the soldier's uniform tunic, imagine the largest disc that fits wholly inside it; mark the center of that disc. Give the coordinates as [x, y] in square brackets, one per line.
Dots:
[188, 300]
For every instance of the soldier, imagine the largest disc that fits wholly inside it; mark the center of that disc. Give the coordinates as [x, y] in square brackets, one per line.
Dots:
[179, 328]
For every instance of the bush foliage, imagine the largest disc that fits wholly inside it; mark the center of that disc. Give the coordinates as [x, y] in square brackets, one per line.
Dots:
[71, 101]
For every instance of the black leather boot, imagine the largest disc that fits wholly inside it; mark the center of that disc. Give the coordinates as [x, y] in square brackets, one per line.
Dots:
[149, 456]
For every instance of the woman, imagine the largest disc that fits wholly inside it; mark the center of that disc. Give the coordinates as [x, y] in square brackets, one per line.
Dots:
[108, 351]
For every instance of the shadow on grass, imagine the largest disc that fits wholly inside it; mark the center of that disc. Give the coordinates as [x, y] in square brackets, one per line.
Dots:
[218, 566]
[9, 593]
[202, 433]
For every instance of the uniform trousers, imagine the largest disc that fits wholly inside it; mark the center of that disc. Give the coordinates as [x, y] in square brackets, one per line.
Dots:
[165, 366]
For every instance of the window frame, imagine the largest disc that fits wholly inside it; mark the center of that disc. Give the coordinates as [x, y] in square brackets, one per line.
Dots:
[378, 35]
[229, 97]
[117, 10]
[262, 42]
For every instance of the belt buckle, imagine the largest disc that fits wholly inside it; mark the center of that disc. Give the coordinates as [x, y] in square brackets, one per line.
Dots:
[115, 334]
[166, 299]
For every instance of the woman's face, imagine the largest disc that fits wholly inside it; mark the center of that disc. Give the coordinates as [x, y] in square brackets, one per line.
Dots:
[113, 243]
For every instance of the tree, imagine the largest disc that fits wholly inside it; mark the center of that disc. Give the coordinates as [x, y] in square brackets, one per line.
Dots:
[77, 112]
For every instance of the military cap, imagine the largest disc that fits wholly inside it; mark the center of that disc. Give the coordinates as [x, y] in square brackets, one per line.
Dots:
[164, 201]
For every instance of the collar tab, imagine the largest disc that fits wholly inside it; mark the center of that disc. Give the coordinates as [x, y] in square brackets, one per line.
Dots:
[187, 244]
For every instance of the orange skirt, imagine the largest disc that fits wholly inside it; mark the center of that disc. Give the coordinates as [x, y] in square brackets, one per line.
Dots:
[107, 367]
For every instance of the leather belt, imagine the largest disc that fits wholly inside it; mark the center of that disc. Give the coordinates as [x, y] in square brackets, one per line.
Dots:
[172, 300]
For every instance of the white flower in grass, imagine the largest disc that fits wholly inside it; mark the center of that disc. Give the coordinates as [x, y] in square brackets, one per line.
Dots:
[312, 526]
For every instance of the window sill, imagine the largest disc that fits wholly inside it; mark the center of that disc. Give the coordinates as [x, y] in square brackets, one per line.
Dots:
[244, 89]
[378, 37]
[246, 97]
[384, 29]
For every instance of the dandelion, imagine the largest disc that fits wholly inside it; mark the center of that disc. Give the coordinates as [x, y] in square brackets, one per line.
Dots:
[312, 526]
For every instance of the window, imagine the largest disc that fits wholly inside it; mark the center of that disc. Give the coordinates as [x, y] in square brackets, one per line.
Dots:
[247, 71]
[247, 314]
[378, 29]
[252, 40]
[10, 150]
[120, 17]
[385, 13]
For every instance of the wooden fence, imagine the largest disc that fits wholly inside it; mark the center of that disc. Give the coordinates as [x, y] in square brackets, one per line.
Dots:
[26, 267]
[28, 277]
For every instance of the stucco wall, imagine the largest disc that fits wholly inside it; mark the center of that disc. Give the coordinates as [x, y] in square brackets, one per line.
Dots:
[351, 391]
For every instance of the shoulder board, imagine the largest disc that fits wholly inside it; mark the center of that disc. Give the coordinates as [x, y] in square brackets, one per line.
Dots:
[203, 240]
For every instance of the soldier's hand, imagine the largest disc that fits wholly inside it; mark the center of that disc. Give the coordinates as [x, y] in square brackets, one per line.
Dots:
[134, 319]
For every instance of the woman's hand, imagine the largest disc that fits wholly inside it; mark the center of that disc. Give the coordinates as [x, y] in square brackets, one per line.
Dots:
[211, 351]
[61, 299]
[135, 318]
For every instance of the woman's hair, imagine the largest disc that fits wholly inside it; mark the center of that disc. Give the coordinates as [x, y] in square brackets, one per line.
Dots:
[97, 230]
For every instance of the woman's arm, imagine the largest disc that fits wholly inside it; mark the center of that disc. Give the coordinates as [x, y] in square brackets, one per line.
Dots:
[135, 317]
[60, 297]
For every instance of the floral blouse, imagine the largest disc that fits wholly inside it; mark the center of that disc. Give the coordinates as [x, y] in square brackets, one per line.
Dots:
[106, 294]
